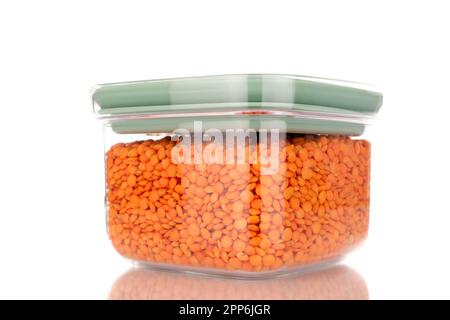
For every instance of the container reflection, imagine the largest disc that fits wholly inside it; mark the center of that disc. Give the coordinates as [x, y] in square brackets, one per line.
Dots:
[339, 282]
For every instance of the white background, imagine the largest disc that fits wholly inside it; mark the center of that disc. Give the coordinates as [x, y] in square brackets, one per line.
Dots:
[53, 242]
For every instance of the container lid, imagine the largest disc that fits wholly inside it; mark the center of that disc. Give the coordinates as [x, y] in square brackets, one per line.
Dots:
[342, 107]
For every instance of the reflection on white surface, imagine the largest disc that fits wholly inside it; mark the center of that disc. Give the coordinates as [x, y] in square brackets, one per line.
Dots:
[339, 282]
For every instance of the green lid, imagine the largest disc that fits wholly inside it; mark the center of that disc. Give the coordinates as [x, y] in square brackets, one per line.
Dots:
[303, 104]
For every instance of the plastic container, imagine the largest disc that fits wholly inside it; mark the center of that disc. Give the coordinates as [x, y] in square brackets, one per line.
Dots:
[241, 175]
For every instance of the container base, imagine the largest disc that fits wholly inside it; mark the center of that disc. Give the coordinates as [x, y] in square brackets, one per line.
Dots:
[243, 275]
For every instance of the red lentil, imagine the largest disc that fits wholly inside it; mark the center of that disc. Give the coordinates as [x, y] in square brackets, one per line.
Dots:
[233, 217]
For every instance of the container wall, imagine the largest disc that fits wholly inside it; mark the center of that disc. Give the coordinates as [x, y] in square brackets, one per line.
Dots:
[272, 203]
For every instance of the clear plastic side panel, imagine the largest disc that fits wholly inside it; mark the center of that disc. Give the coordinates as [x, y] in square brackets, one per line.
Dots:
[247, 201]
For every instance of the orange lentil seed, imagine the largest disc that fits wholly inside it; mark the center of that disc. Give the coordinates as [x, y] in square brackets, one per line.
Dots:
[232, 217]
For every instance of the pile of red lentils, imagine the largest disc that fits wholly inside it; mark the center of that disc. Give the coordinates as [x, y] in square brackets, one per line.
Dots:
[232, 217]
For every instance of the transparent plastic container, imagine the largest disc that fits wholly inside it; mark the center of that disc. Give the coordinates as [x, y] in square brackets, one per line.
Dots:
[242, 175]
